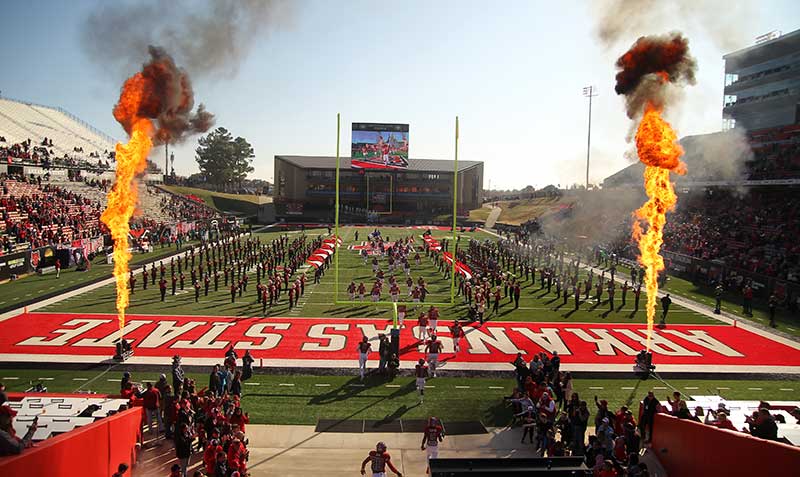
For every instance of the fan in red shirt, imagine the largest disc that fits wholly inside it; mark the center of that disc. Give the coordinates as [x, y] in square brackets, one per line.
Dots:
[237, 454]
[240, 419]
[210, 456]
[379, 459]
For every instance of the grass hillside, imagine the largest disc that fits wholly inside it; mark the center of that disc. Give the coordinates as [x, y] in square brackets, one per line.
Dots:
[515, 212]
[246, 204]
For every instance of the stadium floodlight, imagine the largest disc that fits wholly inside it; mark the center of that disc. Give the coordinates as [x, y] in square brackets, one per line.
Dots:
[589, 92]
[453, 270]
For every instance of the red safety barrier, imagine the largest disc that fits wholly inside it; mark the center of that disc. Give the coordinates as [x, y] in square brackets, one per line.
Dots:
[688, 448]
[88, 451]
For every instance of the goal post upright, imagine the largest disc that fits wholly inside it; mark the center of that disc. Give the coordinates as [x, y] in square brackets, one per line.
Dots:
[455, 214]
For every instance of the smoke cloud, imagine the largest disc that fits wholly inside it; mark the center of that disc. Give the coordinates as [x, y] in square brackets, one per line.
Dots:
[648, 65]
[619, 20]
[166, 98]
[721, 156]
[208, 37]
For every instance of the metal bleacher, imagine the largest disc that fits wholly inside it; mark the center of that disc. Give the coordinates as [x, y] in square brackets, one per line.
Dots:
[57, 415]
[739, 410]
[20, 121]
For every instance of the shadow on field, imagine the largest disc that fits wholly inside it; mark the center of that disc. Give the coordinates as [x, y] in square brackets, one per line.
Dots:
[355, 387]
[373, 381]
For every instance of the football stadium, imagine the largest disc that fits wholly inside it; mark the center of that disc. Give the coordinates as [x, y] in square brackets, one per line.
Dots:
[283, 304]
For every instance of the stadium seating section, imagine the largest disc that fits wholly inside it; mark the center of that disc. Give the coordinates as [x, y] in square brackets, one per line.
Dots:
[776, 153]
[54, 209]
[69, 141]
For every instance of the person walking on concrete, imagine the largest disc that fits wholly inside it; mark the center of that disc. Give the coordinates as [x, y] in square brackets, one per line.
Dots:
[431, 437]
[379, 459]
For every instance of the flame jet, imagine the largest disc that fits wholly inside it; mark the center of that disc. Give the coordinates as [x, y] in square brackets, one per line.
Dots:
[154, 107]
[645, 72]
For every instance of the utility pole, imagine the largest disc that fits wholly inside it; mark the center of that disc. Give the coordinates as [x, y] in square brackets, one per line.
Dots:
[166, 162]
[589, 92]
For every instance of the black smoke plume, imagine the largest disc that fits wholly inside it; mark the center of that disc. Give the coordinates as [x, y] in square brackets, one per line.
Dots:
[168, 100]
[648, 65]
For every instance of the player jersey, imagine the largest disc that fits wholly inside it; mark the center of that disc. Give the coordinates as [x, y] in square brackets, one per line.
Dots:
[435, 346]
[378, 461]
[364, 347]
[421, 371]
[432, 433]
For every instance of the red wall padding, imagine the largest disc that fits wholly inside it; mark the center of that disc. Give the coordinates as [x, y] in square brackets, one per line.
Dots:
[687, 448]
[88, 451]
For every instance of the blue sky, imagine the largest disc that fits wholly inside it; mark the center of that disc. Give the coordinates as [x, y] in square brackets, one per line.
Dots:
[512, 71]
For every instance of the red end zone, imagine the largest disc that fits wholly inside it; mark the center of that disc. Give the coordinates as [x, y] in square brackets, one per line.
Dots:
[328, 342]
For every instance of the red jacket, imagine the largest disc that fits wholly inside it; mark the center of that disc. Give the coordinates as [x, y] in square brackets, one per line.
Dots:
[151, 398]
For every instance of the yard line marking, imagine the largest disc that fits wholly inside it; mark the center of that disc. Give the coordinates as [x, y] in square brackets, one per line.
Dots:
[394, 386]
[286, 384]
[659, 387]
[10, 378]
[627, 388]
[754, 389]
[496, 387]
[80, 379]
[691, 387]
[723, 388]
[47, 379]
[112, 380]
[787, 389]
[462, 387]
[322, 385]
[596, 387]
[252, 384]
[430, 386]
[356, 385]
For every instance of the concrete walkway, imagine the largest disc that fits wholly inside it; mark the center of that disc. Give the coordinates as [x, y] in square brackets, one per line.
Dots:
[493, 216]
[295, 451]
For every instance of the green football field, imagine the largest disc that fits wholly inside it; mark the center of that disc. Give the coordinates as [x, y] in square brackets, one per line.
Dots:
[319, 300]
[301, 399]
[33, 285]
[731, 303]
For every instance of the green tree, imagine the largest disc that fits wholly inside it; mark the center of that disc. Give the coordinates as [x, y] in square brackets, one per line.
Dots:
[224, 161]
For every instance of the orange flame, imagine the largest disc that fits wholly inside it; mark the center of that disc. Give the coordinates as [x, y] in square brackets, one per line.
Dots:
[658, 148]
[122, 199]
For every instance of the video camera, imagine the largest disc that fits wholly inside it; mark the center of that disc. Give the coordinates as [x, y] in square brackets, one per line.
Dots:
[123, 350]
[643, 365]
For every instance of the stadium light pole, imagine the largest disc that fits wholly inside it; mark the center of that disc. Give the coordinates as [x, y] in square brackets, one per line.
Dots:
[588, 91]
[336, 213]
